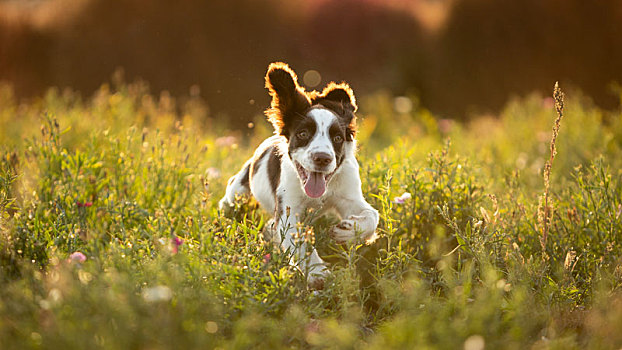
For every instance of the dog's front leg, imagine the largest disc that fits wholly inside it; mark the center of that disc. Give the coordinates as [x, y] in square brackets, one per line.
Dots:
[293, 242]
[359, 220]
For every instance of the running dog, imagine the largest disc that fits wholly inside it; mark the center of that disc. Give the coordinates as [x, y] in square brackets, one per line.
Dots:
[309, 163]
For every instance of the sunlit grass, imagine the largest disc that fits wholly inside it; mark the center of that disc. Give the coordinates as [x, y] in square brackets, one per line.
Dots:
[131, 181]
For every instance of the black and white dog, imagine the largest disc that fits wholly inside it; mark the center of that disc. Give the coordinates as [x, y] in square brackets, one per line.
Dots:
[309, 163]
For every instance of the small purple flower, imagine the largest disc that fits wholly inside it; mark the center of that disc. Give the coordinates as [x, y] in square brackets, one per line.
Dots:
[77, 257]
[266, 258]
[403, 198]
[176, 242]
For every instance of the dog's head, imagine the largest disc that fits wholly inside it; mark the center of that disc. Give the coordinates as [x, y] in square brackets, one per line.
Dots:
[317, 125]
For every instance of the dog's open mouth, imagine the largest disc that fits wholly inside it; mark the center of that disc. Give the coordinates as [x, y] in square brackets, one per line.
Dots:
[314, 182]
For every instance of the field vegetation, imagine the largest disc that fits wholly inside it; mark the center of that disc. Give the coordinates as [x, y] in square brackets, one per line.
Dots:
[111, 237]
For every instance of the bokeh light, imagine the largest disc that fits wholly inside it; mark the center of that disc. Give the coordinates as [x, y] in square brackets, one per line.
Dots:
[312, 78]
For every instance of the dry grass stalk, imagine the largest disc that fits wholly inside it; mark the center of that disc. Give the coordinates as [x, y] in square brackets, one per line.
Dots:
[545, 210]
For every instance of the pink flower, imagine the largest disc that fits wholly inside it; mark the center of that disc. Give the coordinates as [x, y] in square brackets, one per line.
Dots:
[77, 257]
[212, 173]
[83, 204]
[312, 327]
[176, 242]
[548, 102]
[403, 198]
[266, 258]
[225, 141]
[445, 125]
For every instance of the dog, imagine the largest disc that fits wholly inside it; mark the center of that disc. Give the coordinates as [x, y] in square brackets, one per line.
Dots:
[309, 163]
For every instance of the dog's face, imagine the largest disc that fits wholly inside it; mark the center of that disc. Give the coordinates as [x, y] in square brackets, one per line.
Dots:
[316, 145]
[316, 125]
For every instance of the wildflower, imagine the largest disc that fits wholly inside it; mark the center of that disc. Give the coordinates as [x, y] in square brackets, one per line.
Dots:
[83, 204]
[212, 173]
[445, 125]
[157, 293]
[570, 260]
[77, 257]
[176, 242]
[478, 224]
[266, 258]
[225, 141]
[544, 209]
[403, 198]
[313, 326]
[548, 102]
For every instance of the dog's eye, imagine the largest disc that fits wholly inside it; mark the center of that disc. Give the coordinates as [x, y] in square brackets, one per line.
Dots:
[337, 139]
[304, 134]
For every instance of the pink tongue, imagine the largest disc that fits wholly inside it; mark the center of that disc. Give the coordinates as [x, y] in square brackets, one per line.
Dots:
[315, 186]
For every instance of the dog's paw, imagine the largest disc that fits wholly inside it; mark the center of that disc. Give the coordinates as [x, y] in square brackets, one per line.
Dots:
[355, 228]
[269, 233]
[316, 278]
[345, 231]
[315, 283]
[226, 208]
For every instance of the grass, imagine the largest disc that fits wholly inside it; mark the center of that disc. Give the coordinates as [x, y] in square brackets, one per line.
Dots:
[123, 176]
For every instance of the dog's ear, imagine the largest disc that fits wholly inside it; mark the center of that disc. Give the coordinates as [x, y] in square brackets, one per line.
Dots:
[289, 100]
[340, 98]
[340, 93]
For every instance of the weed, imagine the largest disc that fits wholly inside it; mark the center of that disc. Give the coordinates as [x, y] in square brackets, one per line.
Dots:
[544, 211]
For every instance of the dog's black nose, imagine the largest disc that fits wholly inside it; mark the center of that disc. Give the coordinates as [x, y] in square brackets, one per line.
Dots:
[322, 159]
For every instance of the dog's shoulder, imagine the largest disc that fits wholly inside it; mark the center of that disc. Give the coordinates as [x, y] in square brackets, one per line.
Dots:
[275, 141]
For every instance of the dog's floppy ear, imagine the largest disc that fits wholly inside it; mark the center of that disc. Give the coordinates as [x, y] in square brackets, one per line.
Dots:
[288, 98]
[340, 93]
[340, 98]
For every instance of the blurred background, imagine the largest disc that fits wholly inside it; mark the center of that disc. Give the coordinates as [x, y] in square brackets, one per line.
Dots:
[457, 58]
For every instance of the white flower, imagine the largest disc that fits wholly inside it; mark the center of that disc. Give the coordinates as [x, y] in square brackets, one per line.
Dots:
[157, 293]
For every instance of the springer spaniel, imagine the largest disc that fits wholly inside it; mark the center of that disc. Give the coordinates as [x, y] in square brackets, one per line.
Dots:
[309, 163]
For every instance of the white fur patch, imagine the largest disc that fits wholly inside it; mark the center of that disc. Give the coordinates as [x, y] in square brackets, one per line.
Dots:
[321, 141]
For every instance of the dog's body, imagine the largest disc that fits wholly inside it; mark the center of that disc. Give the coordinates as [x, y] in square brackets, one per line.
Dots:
[310, 163]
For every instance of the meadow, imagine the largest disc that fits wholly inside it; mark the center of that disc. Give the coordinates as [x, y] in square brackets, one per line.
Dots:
[111, 237]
